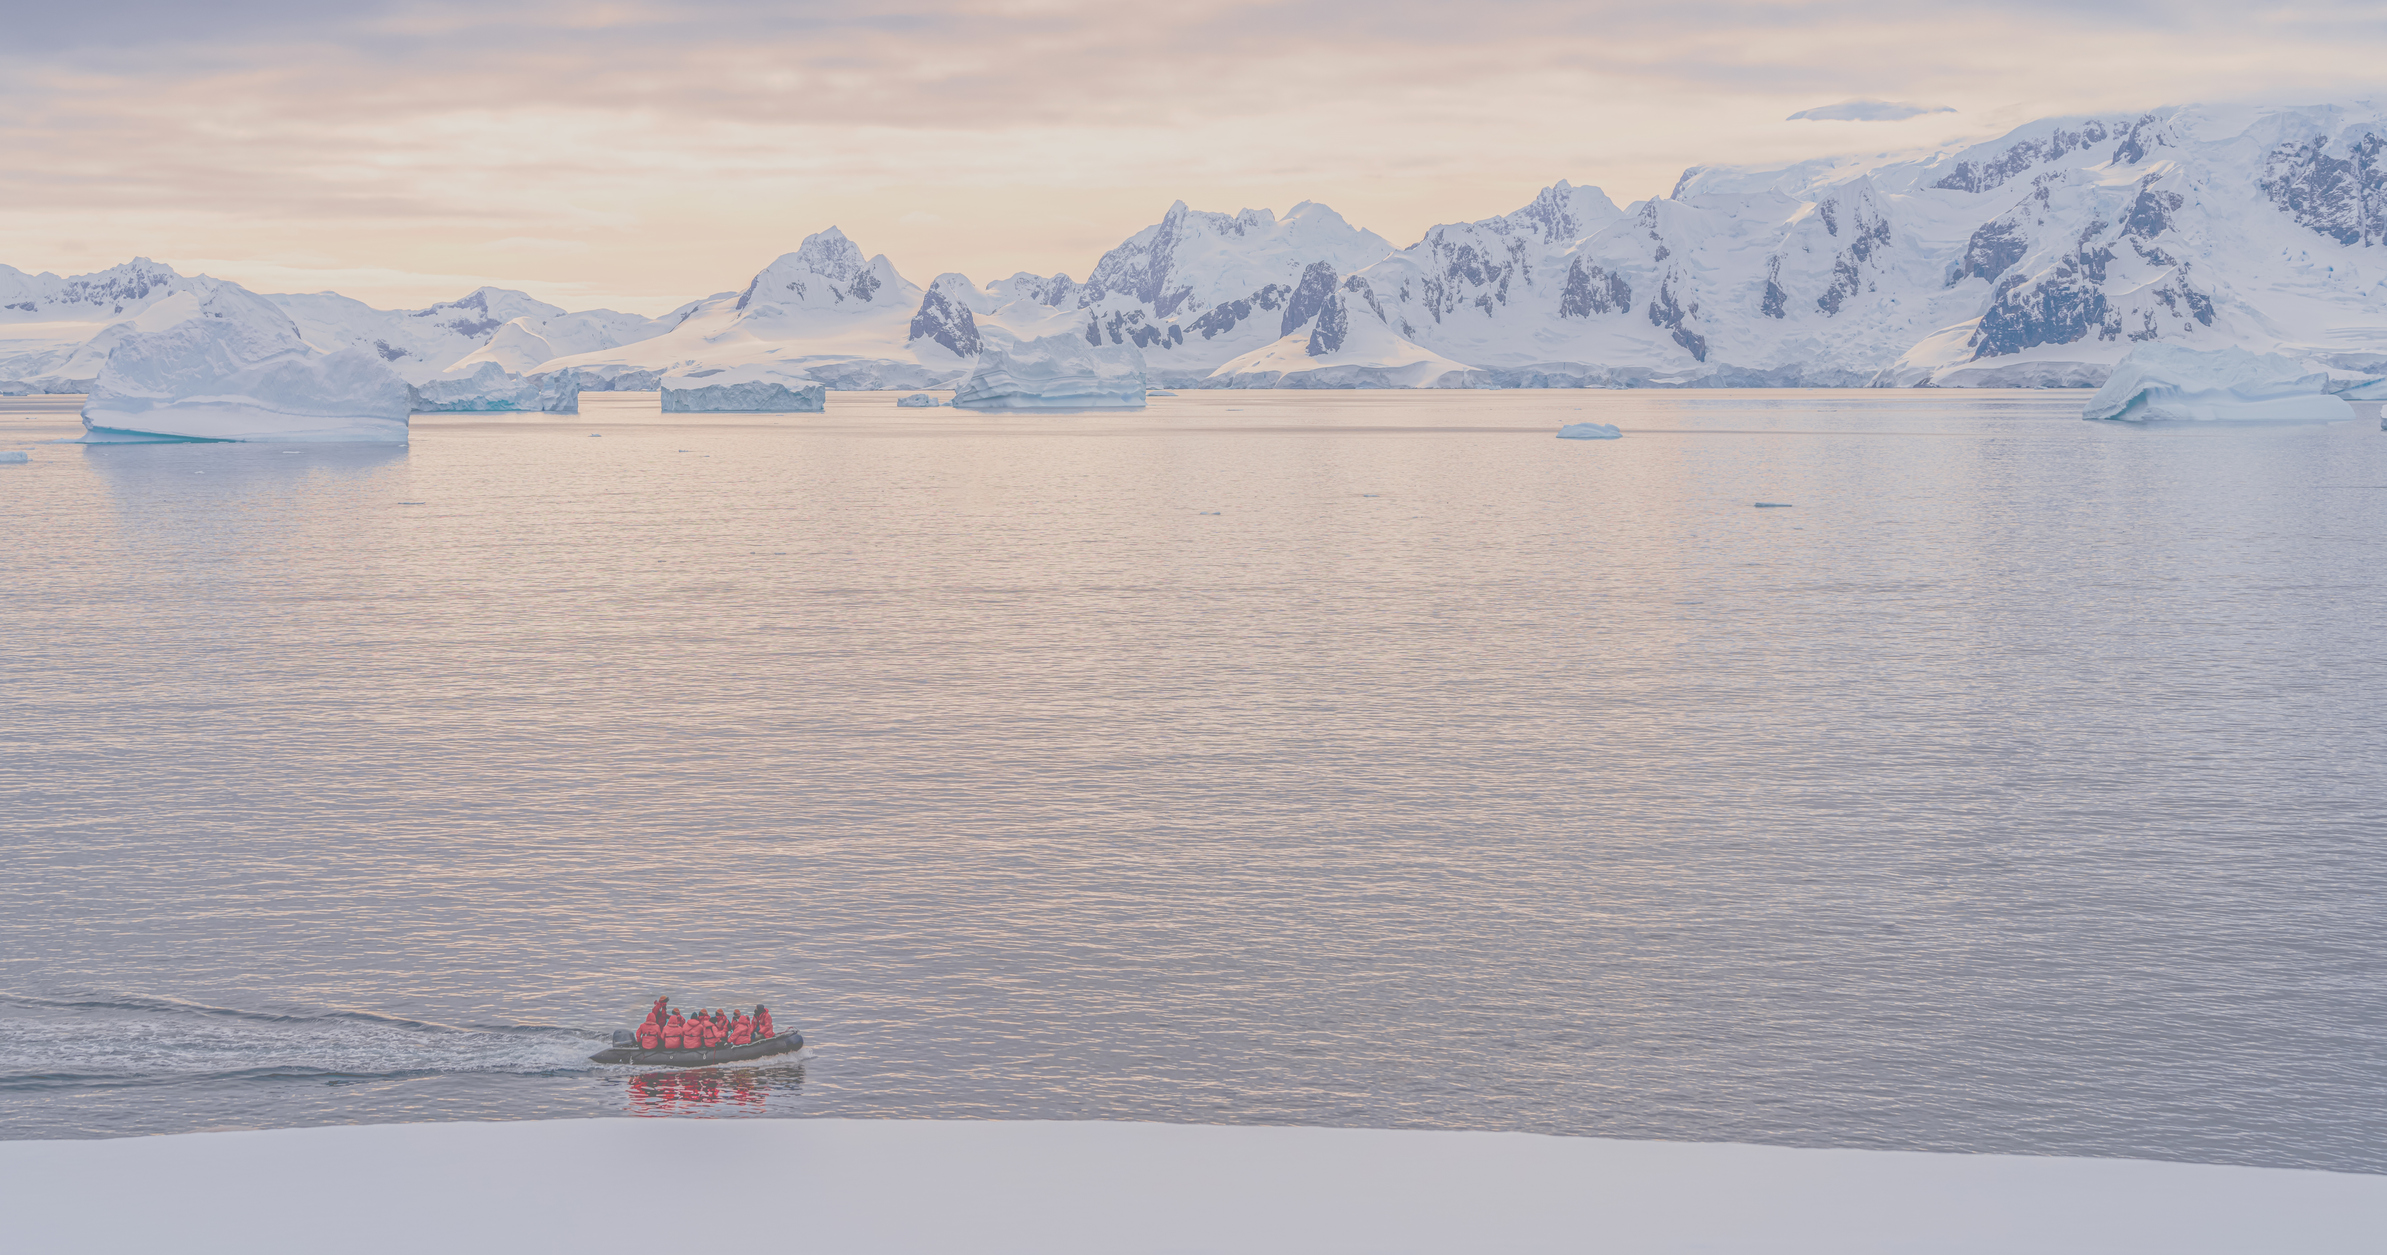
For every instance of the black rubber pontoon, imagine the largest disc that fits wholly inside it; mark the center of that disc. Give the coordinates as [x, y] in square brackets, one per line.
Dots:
[785, 1043]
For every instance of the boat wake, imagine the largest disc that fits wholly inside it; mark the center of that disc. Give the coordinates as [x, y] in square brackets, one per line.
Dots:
[126, 1042]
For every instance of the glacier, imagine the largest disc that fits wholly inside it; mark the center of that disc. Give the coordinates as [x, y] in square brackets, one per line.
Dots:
[2174, 383]
[1055, 372]
[231, 366]
[749, 388]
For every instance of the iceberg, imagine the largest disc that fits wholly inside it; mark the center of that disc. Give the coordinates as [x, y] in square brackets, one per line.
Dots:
[1054, 372]
[918, 400]
[2168, 383]
[1590, 431]
[14, 459]
[751, 388]
[228, 365]
[485, 385]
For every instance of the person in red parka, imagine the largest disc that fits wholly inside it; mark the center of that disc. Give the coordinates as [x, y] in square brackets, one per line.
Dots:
[674, 1030]
[714, 1034]
[741, 1031]
[650, 1034]
[762, 1023]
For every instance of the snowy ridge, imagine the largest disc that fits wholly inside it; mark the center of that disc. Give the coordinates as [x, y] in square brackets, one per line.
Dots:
[2035, 259]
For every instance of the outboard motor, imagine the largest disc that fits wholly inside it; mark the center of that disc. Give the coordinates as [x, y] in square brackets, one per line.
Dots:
[624, 1037]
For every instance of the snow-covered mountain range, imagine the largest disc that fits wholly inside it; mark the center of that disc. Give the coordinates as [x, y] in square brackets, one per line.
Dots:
[2038, 258]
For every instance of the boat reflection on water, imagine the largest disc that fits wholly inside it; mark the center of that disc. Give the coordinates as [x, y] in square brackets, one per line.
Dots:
[712, 1091]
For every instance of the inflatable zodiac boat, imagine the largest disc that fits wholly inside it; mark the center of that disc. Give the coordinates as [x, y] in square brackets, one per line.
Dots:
[625, 1050]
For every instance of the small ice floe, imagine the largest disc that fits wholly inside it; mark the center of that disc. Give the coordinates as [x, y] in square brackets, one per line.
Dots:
[1773, 505]
[594, 434]
[1158, 392]
[14, 459]
[918, 400]
[1590, 431]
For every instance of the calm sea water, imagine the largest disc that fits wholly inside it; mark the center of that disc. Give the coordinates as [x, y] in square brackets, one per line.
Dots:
[1343, 759]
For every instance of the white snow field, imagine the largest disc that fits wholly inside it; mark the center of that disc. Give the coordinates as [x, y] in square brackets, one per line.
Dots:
[2174, 383]
[1055, 372]
[928, 1187]
[747, 388]
[225, 364]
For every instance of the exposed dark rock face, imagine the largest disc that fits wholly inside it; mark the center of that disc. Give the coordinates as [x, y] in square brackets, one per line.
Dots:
[1143, 270]
[1996, 245]
[863, 287]
[1361, 289]
[468, 325]
[1592, 290]
[948, 322]
[1056, 290]
[2066, 302]
[2137, 138]
[1552, 216]
[1666, 311]
[2344, 198]
[1969, 177]
[1333, 324]
[2150, 215]
[1868, 231]
[1227, 315]
[1309, 296]
[1130, 326]
[388, 354]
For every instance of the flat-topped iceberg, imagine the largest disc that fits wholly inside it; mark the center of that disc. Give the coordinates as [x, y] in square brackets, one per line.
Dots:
[918, 400]
[2169, 383]
[485, 385]
[749, 388]
[228, 365]
[1055, 372]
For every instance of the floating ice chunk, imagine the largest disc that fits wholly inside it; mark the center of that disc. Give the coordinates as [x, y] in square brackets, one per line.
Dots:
[1773, 505]
[487, 386]
[1055, 372]
[231, 366]
[751, 388]
[2169, 383]
[1158, 392]
[1590, 431]
[918, 399]
[14, 459]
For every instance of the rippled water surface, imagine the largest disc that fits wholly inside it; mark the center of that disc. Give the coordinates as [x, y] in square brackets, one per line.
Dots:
[1350, 759]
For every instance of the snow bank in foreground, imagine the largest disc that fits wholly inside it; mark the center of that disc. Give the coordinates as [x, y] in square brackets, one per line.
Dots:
[1056, 372]
[2165, 382]
[896, 1187]
[1590, 431]
[485, 385]
[231, 366]
[749, 388]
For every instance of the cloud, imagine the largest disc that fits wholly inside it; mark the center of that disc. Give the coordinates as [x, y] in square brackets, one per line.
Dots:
[1867, 111]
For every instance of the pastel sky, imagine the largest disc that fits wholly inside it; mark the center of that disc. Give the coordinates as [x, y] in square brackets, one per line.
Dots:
[638, 154]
